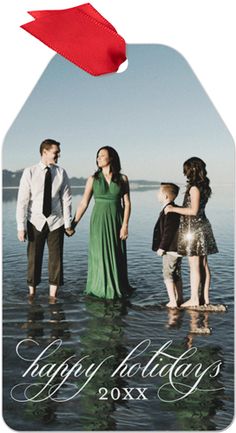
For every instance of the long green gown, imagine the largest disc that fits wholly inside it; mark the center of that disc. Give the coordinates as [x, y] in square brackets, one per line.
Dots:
[107, 262]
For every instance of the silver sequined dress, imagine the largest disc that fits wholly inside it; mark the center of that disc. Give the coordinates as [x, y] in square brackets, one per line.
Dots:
[195, 236]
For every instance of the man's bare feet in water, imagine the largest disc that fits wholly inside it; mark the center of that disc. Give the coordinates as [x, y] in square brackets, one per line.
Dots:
[32, 292]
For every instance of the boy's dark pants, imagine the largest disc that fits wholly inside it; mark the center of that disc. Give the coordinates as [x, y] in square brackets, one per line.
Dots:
[36, 243]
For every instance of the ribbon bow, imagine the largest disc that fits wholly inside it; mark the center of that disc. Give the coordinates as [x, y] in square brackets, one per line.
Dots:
[81, 35]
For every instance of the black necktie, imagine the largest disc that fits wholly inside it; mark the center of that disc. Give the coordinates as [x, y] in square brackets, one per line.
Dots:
[47, 195]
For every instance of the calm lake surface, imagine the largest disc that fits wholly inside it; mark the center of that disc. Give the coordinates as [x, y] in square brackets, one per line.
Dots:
[98, 329]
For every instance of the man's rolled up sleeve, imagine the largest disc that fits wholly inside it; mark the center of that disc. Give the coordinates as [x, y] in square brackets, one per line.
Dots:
[23, 201]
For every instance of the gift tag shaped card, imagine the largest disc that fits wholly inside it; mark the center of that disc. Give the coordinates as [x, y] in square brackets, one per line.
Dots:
[118, 257]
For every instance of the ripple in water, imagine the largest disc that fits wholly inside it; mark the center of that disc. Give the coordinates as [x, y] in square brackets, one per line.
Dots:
[98, 329]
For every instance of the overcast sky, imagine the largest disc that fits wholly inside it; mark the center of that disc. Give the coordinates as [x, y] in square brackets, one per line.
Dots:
[156, 114]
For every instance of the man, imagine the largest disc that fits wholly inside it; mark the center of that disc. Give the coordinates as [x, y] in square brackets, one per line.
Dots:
[43, 213]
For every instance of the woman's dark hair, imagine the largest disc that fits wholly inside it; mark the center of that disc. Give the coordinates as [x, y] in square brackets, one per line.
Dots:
[195, 171]
[114, 163]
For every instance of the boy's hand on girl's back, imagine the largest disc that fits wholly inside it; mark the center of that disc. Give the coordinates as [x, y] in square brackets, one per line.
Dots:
[160, 252]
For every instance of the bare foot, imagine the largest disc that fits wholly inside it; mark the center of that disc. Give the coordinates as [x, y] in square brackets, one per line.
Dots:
[32, 291]
[190, 303]
[53, 291]
[171, 305]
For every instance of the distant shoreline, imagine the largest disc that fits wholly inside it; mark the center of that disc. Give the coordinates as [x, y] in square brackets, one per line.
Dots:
[11, 181]
[132, 186]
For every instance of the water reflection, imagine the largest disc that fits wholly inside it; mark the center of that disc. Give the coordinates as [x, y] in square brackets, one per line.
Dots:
[98, 328]
[100, 338]
[43, 325]
[198, 323]
[49, 322]
[103, 338]
[174, 318]
[197, 413]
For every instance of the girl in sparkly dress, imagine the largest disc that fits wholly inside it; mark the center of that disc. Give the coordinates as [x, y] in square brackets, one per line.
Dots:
[196, 239]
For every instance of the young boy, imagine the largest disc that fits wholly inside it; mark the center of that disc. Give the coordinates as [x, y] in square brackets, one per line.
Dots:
[165, 244]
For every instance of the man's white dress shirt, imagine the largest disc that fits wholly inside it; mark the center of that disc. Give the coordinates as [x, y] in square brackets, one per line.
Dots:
[30, 198]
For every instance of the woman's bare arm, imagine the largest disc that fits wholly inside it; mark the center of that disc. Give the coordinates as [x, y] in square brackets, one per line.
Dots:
[88, 192]
[127, 209]
[193, 209]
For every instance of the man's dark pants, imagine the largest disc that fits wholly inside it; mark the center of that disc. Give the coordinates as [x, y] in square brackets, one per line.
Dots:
[36, 243]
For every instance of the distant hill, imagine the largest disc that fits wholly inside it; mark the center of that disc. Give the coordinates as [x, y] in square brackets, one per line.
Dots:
[11, 179]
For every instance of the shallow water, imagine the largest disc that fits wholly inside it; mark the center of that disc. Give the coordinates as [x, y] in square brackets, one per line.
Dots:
[99, 329]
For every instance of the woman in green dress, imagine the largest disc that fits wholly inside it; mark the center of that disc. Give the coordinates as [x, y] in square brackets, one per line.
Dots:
[107, 263]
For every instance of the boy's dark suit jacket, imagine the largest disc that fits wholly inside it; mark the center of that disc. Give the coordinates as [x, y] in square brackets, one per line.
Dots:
[165, 233]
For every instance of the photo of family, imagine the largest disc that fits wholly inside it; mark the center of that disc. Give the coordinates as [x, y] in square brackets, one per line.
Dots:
[107, 266]
[118, 243]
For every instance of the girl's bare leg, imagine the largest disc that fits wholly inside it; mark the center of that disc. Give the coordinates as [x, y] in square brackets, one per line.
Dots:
[195, 278]
[207, 280]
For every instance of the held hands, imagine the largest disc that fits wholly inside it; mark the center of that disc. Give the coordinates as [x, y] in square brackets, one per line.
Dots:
[69, 232]
[160, 252]
[124, 233]
[21, 234]
[168, 209]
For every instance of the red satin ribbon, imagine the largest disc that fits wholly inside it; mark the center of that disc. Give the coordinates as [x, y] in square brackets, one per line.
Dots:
[82, 36]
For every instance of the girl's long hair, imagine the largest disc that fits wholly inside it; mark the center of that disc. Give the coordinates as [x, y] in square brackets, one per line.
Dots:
[114, 164]
[195, 171]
